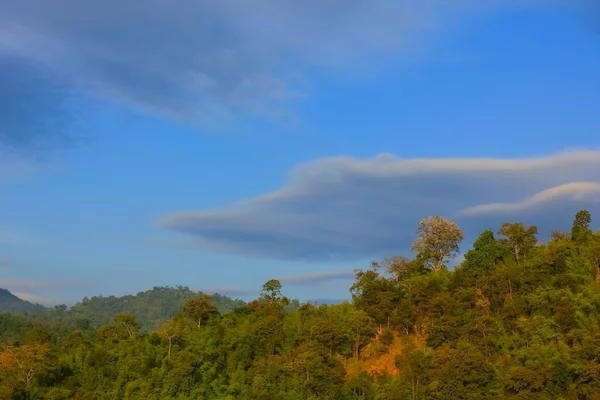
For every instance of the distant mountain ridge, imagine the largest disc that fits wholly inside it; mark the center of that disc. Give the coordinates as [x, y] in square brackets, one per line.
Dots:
[150, 307]
[9, 303]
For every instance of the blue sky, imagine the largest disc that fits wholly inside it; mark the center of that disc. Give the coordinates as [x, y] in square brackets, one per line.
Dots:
[218, 145]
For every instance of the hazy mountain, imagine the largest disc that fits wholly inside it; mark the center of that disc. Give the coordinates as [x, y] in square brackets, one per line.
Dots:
[9, 303]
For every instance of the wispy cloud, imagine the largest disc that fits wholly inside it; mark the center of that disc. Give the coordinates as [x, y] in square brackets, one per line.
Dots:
[588, 192]
[201, 62]
[349, 208]
[32, 298]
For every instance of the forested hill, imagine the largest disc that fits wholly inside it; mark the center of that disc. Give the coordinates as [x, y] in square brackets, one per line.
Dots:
[517, 319]
[150, 307]
[9, 303]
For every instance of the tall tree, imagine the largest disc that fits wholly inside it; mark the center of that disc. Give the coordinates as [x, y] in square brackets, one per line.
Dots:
[271, 290]
[397, 267]
[518, 238]
[272, 295]
[437, 240]
[361, 330]
[581, 231]
[486, 251]
[127, 322]
[198, 308]
[169, 330]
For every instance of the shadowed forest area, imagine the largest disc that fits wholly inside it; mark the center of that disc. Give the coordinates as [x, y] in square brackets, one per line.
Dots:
[519, 318]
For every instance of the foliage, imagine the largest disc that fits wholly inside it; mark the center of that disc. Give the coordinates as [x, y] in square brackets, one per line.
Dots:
[517, 319]
[437, 240]
[150, 308]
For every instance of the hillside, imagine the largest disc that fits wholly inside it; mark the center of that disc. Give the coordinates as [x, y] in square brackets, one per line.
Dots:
[9, 303]
[150, 307]
[517, 319]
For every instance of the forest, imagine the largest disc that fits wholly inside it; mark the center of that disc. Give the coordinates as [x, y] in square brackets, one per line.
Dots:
[518, 318]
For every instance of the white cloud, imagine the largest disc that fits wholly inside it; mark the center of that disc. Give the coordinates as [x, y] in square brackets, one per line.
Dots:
[579, 191]
[348, 208]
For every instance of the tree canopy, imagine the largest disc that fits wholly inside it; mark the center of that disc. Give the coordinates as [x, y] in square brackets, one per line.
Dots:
[517, 319]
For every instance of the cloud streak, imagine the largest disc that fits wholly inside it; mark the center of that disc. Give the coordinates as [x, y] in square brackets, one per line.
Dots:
[32, 298]
[576, 191]
[343, 208]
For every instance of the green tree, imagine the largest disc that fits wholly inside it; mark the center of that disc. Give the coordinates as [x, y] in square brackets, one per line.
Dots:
[199, 308]
[271, 292]
[580, 232]
[361, 330]
[518, 238]
[128, 323]
[437, 240]
[170, 330]
[485, 253]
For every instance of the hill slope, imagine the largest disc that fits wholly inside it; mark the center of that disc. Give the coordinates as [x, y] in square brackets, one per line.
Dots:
[9, 303]
[150, 307]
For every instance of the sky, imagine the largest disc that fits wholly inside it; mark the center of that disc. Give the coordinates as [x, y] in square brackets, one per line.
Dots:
[220, 144]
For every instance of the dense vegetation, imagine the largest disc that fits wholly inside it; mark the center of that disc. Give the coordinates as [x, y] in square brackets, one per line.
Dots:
[517, 319]
[150, 308]
[9, 303]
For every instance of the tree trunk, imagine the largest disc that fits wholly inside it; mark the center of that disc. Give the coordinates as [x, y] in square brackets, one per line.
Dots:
[438, 265]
